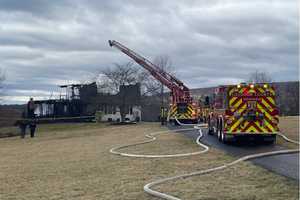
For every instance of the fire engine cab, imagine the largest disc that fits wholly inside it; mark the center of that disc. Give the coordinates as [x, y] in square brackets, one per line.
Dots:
[244, 110]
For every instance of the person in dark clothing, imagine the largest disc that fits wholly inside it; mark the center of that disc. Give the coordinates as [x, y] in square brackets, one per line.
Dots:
[32, 127]
[163, 115]
[22, 126]
[30, 108]
[23, 123]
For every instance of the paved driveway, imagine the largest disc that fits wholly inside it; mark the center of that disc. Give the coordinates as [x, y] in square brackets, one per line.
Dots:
[286, 164]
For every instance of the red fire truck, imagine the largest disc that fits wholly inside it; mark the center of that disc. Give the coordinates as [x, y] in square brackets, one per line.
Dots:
[182, 107]
[244, 110]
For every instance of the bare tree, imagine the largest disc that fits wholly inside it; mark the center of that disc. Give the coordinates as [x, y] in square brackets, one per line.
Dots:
[259, 77]
[121, 74]
[110, 79]
[287, 98]
[165, 64]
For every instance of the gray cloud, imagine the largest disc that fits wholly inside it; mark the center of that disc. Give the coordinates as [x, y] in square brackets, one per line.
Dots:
[39, 8]
[45, 43]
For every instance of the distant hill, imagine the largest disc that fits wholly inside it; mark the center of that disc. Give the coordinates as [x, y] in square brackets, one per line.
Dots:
[9, 114]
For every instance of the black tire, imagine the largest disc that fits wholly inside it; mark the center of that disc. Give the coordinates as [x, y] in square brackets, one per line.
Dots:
[217, 125]
[220, 130]
[195, 121]
[224, 139]
[219, 136]
[272, 141]
[210, 131]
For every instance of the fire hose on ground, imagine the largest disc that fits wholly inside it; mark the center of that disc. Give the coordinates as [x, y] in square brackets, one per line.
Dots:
[151, 136]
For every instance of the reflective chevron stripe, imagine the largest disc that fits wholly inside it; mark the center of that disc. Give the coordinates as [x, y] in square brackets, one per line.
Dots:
[187, 115]
[265, 106]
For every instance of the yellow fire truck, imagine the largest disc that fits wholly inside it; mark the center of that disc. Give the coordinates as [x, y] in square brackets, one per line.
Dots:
[244, 110]
[184, 112]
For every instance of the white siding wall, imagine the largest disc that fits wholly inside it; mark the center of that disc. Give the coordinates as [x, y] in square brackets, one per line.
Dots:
[136, 112]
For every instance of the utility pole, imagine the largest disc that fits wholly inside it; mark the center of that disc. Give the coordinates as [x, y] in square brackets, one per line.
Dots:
[162, 91]
[162, 108]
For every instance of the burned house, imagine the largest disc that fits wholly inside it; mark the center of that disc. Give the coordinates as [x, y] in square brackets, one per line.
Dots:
[85, 100]
[67, 105]
[111, 105]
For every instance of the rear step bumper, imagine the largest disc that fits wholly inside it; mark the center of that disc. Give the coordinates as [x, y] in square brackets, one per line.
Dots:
[252, 136]
[251, 133]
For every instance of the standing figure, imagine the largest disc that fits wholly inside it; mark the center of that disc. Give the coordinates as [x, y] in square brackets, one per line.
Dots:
[32, 127]
[30, 108]
[22, 126]
[163, 115]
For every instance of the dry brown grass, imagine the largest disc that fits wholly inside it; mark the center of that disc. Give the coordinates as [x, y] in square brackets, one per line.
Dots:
[76, 164]
[10, 131]
[289, 126]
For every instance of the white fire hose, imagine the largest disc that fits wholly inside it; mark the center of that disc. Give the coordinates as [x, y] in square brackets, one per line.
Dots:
[147, 187]
[152, 138]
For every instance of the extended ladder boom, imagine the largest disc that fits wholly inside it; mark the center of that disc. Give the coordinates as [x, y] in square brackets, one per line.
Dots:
[180, 92]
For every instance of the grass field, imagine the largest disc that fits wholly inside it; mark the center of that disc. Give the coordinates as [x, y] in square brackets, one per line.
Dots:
[73, 162]
[289, 126]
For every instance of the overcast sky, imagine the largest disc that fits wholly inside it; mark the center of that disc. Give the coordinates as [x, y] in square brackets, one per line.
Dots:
[44, 43]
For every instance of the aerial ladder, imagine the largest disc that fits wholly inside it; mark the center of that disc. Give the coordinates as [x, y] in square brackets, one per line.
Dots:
[182, 106]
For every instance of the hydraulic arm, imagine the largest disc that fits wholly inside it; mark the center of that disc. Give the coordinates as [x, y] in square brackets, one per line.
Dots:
[180, 92]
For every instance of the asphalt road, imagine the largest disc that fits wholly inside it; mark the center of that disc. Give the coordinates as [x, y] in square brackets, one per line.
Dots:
[286, 164]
